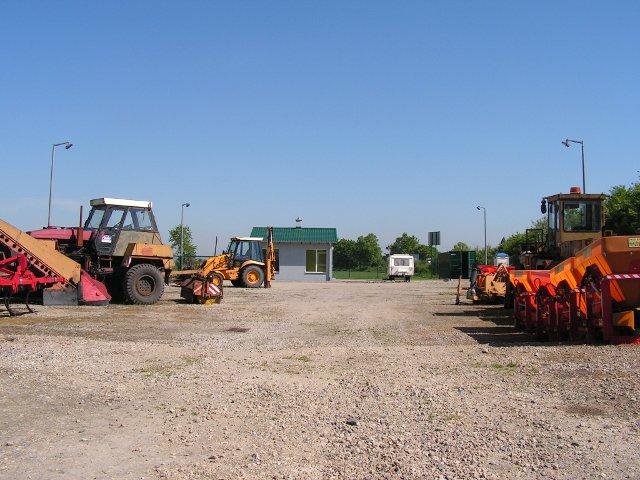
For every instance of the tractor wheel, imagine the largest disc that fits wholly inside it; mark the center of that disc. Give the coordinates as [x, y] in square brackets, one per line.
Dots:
[143, 284]
[252, 276]
[407, 278]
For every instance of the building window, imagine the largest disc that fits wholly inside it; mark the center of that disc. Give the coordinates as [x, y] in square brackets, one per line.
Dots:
[316, 261]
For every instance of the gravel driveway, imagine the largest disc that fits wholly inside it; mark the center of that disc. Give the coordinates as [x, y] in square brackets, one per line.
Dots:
[334, 380]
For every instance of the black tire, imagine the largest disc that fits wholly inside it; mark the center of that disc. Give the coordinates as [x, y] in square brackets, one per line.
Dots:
[391, 278]
[407, 278]
[252, 276]
[143, 284]
[237, 283]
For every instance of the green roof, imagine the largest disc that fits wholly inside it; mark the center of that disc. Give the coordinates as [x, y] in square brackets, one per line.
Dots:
[298, 235]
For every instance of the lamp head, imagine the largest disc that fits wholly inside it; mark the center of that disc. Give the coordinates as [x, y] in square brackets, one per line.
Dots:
[68, 145]
[478, 207]
[566, 143]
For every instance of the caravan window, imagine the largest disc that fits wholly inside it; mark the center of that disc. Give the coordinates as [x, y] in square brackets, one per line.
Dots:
[401, 262]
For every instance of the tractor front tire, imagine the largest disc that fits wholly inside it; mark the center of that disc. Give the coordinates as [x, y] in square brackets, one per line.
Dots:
[143, 284]
[252, 276]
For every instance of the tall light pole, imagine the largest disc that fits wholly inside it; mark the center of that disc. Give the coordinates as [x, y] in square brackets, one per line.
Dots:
[566, 143]
[67, 146]
[486, 253]
[182, 234]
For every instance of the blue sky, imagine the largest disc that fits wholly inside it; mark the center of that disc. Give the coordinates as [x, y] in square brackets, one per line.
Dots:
[368, 116]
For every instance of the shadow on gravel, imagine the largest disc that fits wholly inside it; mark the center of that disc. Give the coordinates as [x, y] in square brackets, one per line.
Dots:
[499, 336]
[497, 315]
[499, 331]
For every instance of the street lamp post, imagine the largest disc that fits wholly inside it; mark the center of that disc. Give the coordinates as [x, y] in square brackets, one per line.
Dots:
[566, 143]
[67, 146]
[182, 234]
[486, 253]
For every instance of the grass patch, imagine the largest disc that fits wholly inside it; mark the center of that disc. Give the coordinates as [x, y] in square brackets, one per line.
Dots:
[383, 336]
[499, 367]
[300, 358]
[368, 274]
[158, 369]
[191, 359]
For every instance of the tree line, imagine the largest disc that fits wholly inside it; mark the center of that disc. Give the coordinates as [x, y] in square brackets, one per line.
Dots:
[365, 252]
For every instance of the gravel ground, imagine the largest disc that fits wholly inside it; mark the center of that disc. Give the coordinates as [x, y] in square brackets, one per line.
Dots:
[336, 380]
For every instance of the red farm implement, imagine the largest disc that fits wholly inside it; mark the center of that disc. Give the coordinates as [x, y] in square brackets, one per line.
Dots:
[16, 278]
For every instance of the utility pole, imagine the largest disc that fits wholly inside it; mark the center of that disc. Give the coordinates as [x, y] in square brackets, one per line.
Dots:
[182, 234]
[67, 146]
[486, 253]
[566, 143]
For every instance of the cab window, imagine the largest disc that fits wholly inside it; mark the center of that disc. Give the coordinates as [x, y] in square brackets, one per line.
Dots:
[581, 217]
[128, 222]
[243, 249]
[143, 220]
[95, 219]
[115, 216]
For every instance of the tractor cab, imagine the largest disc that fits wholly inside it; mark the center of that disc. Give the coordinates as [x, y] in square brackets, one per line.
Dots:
[574, 220]
[115, 223]
[243, 249]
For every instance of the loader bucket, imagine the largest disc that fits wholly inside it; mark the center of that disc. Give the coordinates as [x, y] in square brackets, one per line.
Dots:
[89, 291]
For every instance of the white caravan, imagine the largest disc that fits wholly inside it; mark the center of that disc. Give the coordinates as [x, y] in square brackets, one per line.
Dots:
[400, 265]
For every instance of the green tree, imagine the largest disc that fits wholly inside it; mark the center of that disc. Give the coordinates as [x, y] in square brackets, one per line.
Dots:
[344, 254]
[461, 247]
[367, 251]
[622, 209]
[189, 247]
[427, 252]
[511, 244]
[541, 224]
[405, 243]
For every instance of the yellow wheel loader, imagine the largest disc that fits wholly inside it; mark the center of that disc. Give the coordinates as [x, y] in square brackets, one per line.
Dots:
[244, 263]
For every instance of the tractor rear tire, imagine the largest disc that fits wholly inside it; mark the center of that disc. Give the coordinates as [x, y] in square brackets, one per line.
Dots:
[252, 276]
[143, 284]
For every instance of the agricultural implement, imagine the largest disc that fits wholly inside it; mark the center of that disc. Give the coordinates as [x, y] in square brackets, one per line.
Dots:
[489, 283]
[16, 278]
[29, 265]
[582, 285]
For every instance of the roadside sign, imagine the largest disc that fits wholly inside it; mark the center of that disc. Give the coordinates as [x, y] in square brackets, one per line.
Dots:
[434, 238]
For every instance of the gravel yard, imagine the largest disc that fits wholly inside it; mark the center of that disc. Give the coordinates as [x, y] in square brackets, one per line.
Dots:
[336, 380]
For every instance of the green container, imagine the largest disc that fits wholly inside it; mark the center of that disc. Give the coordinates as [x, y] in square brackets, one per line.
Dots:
[452, 264]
